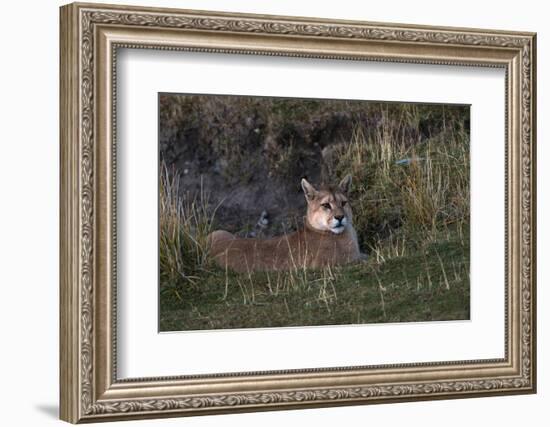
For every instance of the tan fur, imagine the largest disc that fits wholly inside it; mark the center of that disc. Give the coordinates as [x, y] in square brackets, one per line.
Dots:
[322, 242]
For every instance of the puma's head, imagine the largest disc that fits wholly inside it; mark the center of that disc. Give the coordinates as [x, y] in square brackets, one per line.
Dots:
[328, 208]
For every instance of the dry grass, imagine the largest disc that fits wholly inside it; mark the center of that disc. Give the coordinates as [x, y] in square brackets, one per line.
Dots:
[184, 226]
[413, 188]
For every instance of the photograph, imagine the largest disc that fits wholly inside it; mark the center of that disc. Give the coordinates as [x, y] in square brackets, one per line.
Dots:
[280, 212]
[264, 211]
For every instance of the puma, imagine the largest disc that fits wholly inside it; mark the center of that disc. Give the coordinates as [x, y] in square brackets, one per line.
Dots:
[327, 238]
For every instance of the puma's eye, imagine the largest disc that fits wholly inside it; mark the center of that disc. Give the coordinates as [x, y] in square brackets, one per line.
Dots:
[344, 203]
[326, 205]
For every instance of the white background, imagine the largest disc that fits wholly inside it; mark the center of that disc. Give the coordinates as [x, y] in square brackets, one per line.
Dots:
[29, 171]
[143, 352]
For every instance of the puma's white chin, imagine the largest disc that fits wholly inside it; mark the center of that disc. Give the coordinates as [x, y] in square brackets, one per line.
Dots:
[338, 230]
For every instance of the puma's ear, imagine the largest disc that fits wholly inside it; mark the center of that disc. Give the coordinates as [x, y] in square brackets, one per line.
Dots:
[345, 184]
[309, 190]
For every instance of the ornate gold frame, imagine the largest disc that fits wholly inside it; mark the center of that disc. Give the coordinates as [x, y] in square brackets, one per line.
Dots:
[90, 35]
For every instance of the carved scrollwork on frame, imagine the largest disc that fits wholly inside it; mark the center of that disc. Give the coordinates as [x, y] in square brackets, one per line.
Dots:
[89, 18]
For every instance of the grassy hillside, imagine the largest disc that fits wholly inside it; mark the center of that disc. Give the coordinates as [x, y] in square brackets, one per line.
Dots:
[410, 198]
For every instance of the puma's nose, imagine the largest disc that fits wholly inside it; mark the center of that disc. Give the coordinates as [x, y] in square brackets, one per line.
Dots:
[339, 217]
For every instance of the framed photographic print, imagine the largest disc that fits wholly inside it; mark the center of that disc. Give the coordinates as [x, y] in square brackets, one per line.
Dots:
[265, 212]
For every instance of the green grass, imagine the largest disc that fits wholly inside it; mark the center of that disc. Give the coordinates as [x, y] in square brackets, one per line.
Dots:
[411, 208]
[400, 289]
